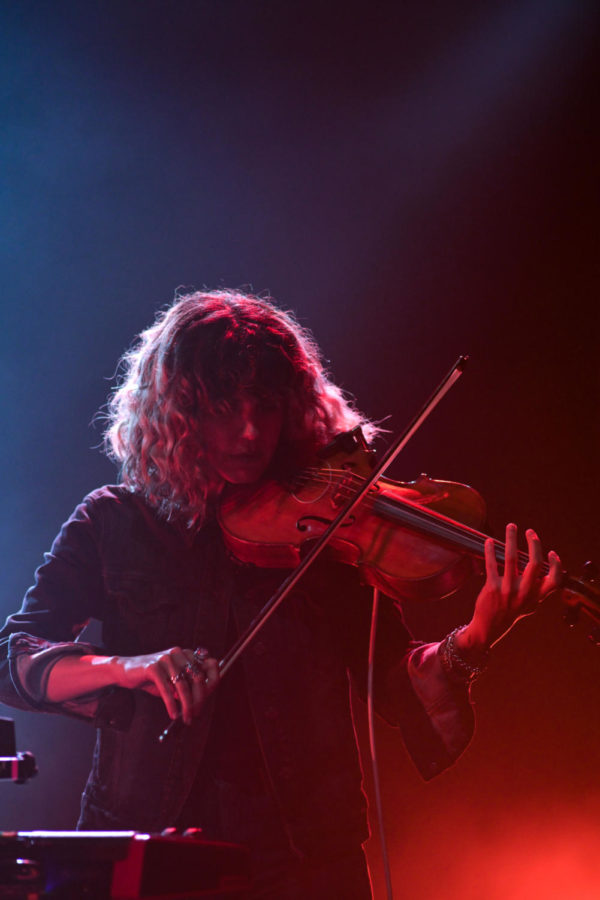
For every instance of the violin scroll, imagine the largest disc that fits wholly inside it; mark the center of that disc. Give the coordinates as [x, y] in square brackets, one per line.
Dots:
[581, 594]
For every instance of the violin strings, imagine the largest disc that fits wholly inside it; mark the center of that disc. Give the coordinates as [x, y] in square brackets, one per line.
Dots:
[459, 535]
[424, 520]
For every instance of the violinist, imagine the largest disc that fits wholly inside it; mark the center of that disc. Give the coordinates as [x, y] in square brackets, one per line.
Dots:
[223, 390]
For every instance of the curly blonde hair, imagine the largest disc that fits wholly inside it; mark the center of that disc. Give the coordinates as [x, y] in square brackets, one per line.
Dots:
[200, 353]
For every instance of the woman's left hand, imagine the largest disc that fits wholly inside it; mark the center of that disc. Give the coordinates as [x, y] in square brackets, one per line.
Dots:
[509, 595]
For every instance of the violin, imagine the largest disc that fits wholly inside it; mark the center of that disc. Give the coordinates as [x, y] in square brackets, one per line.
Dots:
[416, 540]
[409, 540]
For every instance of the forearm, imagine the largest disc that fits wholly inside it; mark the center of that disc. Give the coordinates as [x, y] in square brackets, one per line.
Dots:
[182, 678]
[27, 662]
[74, 676]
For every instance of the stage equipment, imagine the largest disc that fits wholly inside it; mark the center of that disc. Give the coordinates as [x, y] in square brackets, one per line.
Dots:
[17, 767]
[120, 865]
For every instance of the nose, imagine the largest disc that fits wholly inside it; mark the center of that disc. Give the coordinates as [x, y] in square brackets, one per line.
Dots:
[248, 421]
[249, 429]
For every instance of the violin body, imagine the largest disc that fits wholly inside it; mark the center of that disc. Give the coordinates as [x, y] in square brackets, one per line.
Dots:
[272, 524]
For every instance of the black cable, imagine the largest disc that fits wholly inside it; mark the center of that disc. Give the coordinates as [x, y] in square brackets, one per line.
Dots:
[374, 766]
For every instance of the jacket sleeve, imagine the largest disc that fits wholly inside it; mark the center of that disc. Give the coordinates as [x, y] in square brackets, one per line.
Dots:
[67, 592]
[435, 715]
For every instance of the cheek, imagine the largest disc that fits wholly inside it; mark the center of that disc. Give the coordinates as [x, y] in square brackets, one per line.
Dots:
[217, 442]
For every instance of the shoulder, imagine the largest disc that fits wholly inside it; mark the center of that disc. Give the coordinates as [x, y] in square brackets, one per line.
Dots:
[111, 495]
[110, 503]
[118, 515]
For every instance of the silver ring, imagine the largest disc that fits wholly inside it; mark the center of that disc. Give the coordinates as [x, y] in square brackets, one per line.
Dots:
[193, 670]
[175, 678]
[201, 654]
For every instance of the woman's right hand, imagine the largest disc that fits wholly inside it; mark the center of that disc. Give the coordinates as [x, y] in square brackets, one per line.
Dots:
[182, 678]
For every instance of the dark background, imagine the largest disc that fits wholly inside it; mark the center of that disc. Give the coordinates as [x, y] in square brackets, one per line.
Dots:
[416, 181]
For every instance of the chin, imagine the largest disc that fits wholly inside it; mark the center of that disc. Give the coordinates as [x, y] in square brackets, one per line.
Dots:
[243, 474]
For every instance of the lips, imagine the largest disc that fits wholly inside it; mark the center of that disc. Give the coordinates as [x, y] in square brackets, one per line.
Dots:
[245, 460]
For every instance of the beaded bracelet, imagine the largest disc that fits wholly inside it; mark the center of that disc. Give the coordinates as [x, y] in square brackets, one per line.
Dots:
[455, 666]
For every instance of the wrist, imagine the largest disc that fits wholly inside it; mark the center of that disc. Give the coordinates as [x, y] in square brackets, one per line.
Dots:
[471, 644]
[462, 662]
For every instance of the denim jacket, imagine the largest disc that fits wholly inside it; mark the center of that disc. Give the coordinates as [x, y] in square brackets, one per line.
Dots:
[154, 585]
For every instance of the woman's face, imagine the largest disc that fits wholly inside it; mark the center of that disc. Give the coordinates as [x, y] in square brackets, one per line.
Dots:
[241, 441]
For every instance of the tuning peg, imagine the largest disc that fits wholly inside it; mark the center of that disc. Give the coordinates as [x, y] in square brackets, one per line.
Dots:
[594, 635]
[571, 615]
